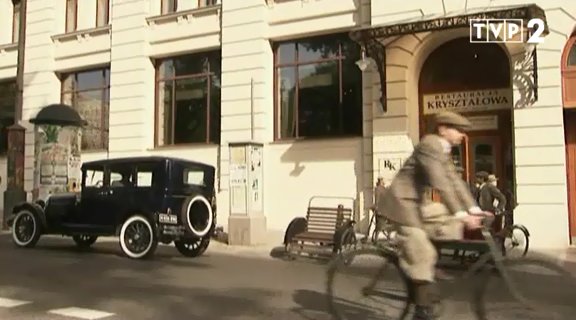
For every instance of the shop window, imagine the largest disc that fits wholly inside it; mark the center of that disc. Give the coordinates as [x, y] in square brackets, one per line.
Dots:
[569, 73]
[7, 105]
[188, 99]
[318, 88]
[88, 92]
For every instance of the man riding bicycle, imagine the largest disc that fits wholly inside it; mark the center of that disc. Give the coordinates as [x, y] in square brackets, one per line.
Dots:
[416, 218]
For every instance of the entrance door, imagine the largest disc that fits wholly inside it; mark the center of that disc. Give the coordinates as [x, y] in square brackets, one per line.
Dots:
[485, 154]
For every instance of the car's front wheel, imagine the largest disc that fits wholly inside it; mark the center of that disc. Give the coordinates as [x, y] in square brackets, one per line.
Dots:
[84, 241]
[26, 229]
[192, 247]
[138, 238]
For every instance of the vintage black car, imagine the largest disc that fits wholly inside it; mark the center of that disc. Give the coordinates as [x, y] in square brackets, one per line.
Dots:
[141, 200]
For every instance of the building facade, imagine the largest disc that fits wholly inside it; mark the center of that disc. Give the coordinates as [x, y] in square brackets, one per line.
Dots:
[187, 78]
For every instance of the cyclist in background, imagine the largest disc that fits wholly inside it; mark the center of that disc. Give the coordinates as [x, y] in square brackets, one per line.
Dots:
[416, 218]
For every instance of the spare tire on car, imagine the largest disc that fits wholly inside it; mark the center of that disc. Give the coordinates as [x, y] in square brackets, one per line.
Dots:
[197, 215]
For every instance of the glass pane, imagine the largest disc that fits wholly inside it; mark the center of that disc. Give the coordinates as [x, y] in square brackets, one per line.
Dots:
[7, 106]
[15, 23]
[191, 64]
[90, 80]
[319, 110]
[71, 8]
[165, 116]
[90, 106]
[572, 56]
[103, 13]
[286, 53]
[484, 158]
[287, 100]
[215, 109]
[190, 110]
[165, 69]
[351, 98]
[318, 48]
[169, 6]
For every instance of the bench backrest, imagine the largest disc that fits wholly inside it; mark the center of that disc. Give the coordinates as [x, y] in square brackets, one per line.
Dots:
[327, 220]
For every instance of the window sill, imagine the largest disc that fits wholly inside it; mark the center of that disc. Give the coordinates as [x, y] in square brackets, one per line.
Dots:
[91, 151]
[187, 15]
[8, 47]
[80, 34]
[315, 140]
[183, 146]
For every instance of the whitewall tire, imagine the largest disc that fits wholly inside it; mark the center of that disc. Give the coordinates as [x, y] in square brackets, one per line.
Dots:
[138, 238]
[26, 229]
[189, 219]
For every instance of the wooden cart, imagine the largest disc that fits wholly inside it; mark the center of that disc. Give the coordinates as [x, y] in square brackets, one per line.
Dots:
[324, 229]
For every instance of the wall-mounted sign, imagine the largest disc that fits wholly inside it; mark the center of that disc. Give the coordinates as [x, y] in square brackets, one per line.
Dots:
[484, 122]
[467, 101]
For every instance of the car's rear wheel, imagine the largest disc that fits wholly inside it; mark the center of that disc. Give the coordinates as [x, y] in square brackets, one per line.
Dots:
[197, 215]
[192, 247]
[138, 238]
[26, 229]
[84, 241]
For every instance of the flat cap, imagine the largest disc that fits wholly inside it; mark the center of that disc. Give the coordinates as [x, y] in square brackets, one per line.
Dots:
[453, 119]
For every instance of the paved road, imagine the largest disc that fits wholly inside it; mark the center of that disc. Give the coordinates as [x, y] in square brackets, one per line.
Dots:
[54, 281]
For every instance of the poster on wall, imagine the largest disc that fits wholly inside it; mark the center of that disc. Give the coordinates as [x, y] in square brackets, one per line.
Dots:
[468, 101]
[256, 174]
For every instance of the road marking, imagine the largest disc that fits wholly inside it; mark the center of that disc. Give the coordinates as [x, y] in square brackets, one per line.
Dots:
[81, 313]
[11, 303]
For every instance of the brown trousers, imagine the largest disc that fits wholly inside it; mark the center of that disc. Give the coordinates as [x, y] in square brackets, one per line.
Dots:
[417, 254]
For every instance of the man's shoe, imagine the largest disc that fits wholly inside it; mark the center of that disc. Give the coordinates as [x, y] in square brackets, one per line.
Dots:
[423, 313]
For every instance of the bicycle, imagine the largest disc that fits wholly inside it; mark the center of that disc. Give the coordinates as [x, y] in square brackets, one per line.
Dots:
[512, 235]
[490, 265]
[380, 225]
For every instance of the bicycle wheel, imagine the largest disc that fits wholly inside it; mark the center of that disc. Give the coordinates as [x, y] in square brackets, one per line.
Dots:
[529, 289]
[516, 242]
[367, 284]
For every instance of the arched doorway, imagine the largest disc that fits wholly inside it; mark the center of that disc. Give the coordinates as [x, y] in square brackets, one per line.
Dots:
[473, 79]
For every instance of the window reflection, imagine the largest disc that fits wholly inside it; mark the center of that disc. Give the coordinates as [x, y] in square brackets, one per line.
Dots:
[572, 56]
[88, 92]
[484, 158]
[189, 99]
[319, 87]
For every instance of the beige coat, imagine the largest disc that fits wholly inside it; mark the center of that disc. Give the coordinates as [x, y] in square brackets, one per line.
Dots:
[429, 166]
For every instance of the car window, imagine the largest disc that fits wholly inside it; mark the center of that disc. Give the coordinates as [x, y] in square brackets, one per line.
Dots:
[94, 178]
[194, 176]
[144, 179]
[121, 176]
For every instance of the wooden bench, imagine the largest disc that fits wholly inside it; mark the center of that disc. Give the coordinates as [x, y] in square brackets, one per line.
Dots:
[322, 227]
[322, 224]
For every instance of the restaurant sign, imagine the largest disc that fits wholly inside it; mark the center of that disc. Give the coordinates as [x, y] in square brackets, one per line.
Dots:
[468, 101]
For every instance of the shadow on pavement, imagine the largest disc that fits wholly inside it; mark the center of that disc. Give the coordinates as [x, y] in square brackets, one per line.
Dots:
[313, 305]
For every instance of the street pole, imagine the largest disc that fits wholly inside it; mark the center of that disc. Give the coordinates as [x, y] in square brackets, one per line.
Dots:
[15, 193]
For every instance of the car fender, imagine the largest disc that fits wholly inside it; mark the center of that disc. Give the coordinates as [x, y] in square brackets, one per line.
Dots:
[32, 207]
[130, 213]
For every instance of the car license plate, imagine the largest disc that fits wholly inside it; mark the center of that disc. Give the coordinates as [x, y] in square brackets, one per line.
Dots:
[167, 218]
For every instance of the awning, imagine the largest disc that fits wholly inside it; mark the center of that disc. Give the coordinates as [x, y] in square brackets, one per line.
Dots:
[449, 20]
[371, 38]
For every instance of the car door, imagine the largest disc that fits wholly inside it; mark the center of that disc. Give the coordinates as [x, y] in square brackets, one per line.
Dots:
[94, 199]
[119, 195]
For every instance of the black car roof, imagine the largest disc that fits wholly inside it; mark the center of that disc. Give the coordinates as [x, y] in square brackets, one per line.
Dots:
[147, 159]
